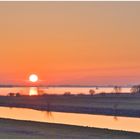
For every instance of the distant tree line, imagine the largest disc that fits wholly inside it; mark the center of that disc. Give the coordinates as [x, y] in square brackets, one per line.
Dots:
[14, 94]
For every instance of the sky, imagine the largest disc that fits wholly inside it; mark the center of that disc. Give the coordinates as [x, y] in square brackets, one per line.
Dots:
[72, 43]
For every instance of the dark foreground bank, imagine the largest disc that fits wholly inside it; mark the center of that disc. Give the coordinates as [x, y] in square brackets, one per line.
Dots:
[12, 129]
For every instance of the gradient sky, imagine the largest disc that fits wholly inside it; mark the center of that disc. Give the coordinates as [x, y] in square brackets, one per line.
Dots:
[84, 43]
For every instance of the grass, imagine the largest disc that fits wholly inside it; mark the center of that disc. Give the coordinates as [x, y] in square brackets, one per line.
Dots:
[13, 129]
[80, 101]
[77, 103]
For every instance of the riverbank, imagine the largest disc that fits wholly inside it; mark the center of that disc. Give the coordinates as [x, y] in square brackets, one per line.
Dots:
[13, 129]
[118, 105]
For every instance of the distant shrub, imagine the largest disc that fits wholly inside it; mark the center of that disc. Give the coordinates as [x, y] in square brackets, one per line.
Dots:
[17, 95]
[44, 94]
[40, 91]
[102, 93]
[81, 94]
[14, 94]
[11, 94]
[67, 93]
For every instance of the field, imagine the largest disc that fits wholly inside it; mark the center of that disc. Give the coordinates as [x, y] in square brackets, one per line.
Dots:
[118, 105]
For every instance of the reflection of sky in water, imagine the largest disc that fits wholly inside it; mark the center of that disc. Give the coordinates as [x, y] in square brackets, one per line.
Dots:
[57, 90]
[99, 121]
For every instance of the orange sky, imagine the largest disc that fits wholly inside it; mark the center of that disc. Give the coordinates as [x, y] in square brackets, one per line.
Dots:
[83, 43]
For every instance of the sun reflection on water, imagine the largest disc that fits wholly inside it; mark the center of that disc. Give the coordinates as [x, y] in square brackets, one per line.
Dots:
[33, 91]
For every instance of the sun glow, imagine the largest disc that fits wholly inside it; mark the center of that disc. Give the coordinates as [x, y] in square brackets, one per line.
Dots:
[33, 78]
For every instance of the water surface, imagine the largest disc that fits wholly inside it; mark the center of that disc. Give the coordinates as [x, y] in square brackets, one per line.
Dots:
[59, 90]
[99, 121]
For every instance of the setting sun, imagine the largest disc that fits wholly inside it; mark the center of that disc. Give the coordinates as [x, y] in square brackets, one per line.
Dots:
[33, 78]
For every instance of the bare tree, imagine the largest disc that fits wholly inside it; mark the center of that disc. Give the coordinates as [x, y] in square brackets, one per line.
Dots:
[135, 89]
[117, 89]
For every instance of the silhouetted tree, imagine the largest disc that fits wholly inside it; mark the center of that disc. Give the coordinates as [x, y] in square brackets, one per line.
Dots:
[117, 89]
[135, 89]
[92, 92]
